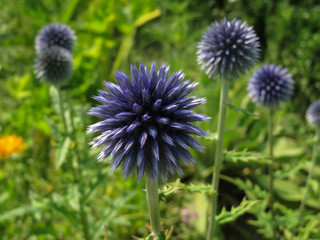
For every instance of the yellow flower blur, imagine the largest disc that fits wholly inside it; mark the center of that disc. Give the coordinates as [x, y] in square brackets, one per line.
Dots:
[10, 144]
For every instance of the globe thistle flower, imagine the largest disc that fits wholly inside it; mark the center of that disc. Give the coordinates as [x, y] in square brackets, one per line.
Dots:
[228, 49]
[313, 113]
[146, 122]
[54, 64]
[270, 85]
[55, 35]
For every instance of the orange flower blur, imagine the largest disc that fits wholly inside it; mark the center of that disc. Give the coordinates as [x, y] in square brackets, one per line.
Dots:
[10, 144]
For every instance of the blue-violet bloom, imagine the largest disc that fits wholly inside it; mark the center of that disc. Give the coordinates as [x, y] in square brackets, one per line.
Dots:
[270, 85]
[313, 113]
[228, 49]
[54, 65]
[146, 122]
[55, 34]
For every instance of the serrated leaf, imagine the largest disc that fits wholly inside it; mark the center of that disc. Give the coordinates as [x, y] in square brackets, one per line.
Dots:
[201, 188]
[245, 157]
[170, 188]
[176, 186]
[253, 191]
[235, 212]
[63, 152]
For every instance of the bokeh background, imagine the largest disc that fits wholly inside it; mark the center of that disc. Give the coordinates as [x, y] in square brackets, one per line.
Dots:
[38, 200]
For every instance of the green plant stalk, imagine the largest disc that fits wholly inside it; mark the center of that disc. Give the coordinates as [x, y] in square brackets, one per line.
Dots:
[75, 166]
[218, 158]
[62, 111]
[153, 204]
[313, 163]
[271, 168]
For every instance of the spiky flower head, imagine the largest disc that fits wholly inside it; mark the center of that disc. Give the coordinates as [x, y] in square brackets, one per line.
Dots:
[270, 85]
[228, 49]
[54, 65]
[55, 34]
[313, 113]
[146, 122]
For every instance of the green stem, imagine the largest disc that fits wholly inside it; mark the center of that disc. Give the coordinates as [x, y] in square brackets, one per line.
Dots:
[75, 165]
[153, 203]
[271, 168]
[78, 174]
[62, 111]
[313, 163]
[218, 159]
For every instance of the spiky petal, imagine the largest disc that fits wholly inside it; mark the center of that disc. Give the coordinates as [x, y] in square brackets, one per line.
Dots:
[270, 85]
[228, 49]
[146, 122]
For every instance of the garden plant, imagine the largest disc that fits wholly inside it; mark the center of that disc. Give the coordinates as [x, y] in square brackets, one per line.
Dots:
[159, 120]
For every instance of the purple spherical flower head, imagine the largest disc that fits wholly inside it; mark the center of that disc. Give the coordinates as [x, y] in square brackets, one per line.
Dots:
[55, 35]
[228, 49]
[313, 113]
[270, 85]
[146, 122]
[54, 65]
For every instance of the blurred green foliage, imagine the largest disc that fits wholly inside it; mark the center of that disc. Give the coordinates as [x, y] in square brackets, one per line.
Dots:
[38, 200]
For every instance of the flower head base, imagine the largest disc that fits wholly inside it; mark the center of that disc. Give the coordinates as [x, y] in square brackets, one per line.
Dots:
[55, 35]
[146, 122]
[313, 113]
[54, 65]
[10, 144]
[270, 85]
[228, 49]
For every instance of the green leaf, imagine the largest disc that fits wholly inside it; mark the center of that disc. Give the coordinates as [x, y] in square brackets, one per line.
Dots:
[288, 147]
[60, 205]
[176, 186]
[63, 152]
[70, 11]
[54, 128]
[93, 187]
[18, 212]
[246, 112]
[235, 212]
[201, 188]
[4, 196]
[147, 17]
[53, 91]
[245, 157]
[253, 191]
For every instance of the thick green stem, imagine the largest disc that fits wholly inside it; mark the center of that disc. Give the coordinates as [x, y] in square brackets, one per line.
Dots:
[75, 165]
[218, 159]
[153, 203]
[271, 167]
[313, 163]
